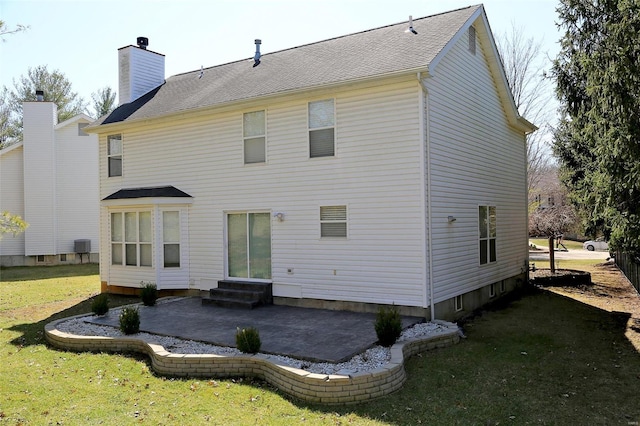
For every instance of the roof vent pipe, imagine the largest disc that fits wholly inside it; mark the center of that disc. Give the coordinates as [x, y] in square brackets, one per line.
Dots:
[40, 95]
[142, 42]
[256, 58]
[411, 29]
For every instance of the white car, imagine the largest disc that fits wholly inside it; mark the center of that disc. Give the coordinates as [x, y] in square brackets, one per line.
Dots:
[598, 244]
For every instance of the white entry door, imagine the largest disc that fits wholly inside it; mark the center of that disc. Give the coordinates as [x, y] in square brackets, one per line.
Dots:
[249, 246]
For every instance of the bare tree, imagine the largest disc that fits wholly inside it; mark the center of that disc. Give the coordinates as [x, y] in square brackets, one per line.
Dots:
[5, 30]
[552, 222]
[525, 65]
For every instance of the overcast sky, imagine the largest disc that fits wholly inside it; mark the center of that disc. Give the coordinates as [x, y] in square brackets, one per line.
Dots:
[81, 38]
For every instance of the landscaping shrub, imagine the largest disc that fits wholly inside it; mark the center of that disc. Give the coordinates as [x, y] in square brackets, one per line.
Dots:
[248, 340]
[100, 305]
[130, 320]
[149, 293]
[388, 325]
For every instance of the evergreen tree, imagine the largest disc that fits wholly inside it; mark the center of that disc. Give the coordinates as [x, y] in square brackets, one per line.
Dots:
[597, 74]
[57, 89]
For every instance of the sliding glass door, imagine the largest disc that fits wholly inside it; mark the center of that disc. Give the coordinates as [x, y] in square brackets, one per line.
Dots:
[249, 245]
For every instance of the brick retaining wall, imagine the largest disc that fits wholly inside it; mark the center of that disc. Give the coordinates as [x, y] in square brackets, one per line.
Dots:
[330, 389]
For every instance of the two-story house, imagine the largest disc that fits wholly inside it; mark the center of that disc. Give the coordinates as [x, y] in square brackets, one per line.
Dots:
[381, 167]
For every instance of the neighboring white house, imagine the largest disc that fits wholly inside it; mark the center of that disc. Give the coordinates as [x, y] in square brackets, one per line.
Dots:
[50, 179]
[381, 167]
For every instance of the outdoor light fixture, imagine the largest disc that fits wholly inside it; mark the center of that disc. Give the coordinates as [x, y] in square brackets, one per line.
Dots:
[451, 219]
[279, 216]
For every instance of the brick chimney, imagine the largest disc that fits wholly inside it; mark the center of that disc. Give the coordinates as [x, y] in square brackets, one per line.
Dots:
[139, 71]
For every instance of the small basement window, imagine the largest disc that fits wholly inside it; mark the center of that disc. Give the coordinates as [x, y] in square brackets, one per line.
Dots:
[63, 258]
[492, 290]
[40, 258]
[458, 303]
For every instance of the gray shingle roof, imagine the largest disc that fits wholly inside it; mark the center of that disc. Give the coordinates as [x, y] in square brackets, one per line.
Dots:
[371, 53]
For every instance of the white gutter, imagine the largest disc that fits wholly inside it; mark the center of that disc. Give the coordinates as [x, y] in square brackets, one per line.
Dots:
[236, 103]
[427, 139]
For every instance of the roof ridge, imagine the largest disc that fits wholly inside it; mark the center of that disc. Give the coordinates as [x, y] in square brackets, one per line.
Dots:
[250, 58]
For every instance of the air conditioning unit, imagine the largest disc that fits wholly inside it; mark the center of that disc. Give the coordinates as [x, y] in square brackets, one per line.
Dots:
[82, 246]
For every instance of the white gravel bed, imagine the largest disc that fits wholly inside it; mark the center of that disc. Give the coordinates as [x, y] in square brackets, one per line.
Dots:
[371, 359]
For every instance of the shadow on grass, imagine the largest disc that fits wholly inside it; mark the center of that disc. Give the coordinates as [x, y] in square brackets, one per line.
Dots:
[33, 333]
[536, 357]
[28, 273]
[541, 358]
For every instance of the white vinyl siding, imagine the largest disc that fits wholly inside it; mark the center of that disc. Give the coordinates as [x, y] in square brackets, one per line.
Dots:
[12, 198]
[40, 178]
[77, 206]
[476, 159]
[54, 188]
[254, 136]
[321, 128]
[377, 175]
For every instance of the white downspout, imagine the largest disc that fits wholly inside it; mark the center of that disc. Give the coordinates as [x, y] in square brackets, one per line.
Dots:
[427, 139]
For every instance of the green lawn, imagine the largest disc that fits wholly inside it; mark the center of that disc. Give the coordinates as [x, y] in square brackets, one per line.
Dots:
[542, 358]
[542, 243]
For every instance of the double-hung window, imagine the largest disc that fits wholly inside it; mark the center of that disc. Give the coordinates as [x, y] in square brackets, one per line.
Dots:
[254, 135]
[171, 238]
[333, 221]
[487, 232]
[131, 238]
[322, 128]
[114, 155]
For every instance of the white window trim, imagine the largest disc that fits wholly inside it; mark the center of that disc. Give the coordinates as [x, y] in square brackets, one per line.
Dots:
[334, 127]
[346, 222]
[124, 241]
[488, 238]
[179, 242]
[121, 155]
[264, 135]
[457, 303]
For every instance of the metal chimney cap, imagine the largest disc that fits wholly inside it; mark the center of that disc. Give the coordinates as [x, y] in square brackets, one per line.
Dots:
[258, 41]
[142, 42]
[39, 95]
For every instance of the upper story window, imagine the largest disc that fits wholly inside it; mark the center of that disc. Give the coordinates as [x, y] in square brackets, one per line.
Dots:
[333, 221]
[114, 155]
[487, 227]
[131, 238]
[322, 128]
[254, 135]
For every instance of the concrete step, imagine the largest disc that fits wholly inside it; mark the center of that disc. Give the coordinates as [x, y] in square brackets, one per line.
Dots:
[230, 293]
[230, 303]
[264, 288]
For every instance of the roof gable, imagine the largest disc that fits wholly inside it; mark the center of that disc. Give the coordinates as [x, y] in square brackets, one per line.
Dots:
[75, 119]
